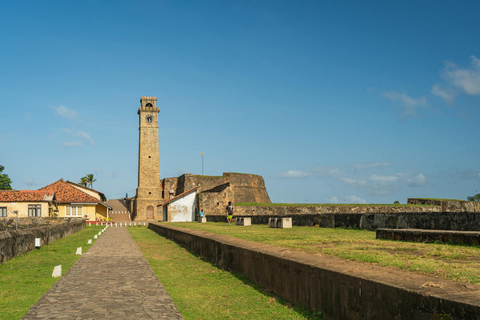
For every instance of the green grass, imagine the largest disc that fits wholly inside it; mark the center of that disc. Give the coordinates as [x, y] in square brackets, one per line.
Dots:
[24, 279]
[439, 199]
[327, 205]
[203, 175]
[203, 291]
[456, 262]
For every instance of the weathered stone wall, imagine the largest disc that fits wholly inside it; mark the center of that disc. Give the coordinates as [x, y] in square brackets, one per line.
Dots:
[214, 192]
[471, 238]
[32, 222]
[402, 219]
[169, 187]
[247, 187]
[294, 210]
[14, 243]
[449, 205]
[203, 183]
[339, 289]
[214, 201]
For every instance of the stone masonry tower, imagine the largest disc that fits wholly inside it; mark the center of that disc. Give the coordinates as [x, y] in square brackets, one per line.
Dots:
[149, 191]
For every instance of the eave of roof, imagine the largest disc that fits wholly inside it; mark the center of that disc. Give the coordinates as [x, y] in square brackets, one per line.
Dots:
[79, 185]
[26, 196]
[66, 193]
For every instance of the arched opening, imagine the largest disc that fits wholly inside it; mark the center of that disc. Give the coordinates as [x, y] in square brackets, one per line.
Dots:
[150, 215]
[149, 105]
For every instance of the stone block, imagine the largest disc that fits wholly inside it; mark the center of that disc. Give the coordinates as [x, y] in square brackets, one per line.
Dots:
[79, 251]
[284, 223]
[202, 219]
[38, 243]
[243, 221]
[57, 271]
[272, 222]
[89, 241]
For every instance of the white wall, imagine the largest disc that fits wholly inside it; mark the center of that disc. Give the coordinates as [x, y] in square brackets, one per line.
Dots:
[182, 209]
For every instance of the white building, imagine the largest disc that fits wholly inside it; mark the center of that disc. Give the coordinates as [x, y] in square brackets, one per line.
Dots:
[180, 208]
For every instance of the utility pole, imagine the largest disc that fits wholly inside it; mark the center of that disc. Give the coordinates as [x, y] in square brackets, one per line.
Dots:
[201, 153]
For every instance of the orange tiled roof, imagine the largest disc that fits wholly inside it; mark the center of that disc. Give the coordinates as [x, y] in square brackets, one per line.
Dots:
[24, 195]
[65, 193]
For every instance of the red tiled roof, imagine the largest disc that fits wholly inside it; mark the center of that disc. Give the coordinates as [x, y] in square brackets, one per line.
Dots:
[102, 196]
[65, 193]
[24, 195]
[176, 197]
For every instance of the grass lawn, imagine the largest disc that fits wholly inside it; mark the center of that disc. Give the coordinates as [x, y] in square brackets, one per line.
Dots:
[248, 204]
[24, 279]
[203, 291]
[460, 263]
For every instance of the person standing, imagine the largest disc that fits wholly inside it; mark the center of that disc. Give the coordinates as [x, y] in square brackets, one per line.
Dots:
[229, 210]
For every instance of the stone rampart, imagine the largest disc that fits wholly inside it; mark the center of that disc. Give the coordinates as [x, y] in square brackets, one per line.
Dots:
[339, 289]
[471, 238]
[32, 222]
[14, 243]
[273, 210]
[461, 221]
[247, 187]
[448, 205]
[214, 192]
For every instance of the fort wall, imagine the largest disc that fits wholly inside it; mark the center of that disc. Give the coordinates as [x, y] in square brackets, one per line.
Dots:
[338, 289]
[17, 242]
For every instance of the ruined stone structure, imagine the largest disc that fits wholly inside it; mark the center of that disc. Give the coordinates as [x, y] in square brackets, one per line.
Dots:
[149, 191]
[212, 192]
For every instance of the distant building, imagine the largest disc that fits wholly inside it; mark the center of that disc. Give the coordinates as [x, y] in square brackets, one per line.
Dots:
[28, 203]
[180, 208]
[74, 200]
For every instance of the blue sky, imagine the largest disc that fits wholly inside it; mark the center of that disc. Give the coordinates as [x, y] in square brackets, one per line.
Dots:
[330, 101]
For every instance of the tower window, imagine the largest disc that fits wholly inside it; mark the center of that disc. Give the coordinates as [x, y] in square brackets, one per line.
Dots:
[149, 157]
[149, 193]
[149, 105]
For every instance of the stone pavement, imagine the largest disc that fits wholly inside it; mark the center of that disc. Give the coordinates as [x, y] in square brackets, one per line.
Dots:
[112, 280]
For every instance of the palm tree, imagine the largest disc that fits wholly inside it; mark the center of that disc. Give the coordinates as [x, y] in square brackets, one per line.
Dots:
[83, 181]
[90, 179]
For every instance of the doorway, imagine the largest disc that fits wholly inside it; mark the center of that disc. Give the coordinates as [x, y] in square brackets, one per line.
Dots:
[150, 215]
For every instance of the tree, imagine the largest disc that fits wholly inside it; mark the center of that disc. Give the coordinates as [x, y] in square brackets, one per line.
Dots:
[90, 179]
[474, 198]
[5, 181]
[396, 202]
[83, 181]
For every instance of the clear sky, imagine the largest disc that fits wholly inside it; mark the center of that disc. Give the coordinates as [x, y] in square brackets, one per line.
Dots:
[330, 101]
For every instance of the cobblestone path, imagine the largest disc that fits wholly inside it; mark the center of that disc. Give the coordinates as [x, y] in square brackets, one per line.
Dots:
[112, 280]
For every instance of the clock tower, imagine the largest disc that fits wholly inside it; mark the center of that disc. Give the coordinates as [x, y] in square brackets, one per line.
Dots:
[149, 191]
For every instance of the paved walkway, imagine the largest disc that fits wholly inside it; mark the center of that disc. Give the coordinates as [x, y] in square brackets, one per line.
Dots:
[112, 280]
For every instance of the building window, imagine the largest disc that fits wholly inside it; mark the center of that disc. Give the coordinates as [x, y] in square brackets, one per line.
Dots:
[3, 211]
[73, 211]
[34, 210]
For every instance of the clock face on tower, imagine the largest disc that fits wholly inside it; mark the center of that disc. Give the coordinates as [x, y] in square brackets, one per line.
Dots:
[149, 118]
